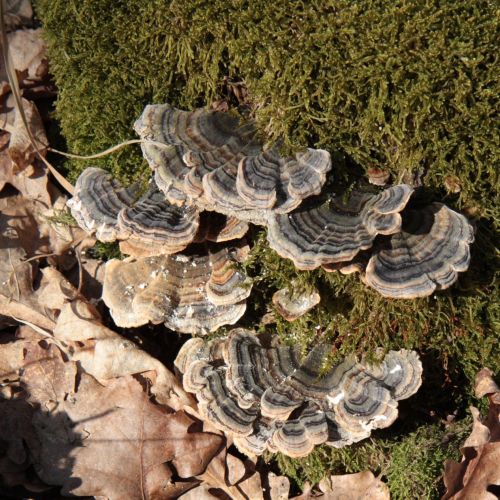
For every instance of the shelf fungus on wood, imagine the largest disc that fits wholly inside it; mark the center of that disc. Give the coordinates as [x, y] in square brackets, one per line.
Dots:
[194, 293]
[218, 163]
[292, 304]
[147, 226]
[97, 201]
[335, 231]
[153, 226]
[271, 398]
[427, 255]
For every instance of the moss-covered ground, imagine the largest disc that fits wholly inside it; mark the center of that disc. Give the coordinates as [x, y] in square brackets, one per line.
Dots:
[410, 86]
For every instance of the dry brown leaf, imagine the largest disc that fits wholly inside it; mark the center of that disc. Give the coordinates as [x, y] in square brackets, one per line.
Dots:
[17, 13]
[25, 233]
[17, 298]
[11, 358]
[31, 217]
[359, 486]
[477, 476]
[221, 471]
[160, 483]
[95, 439]
[106, 355]
[29, 55]
[33, 181]
[485, 385]
[279, 486]
[20, 150]
[105, 440]
[92, 439]
[47, 378]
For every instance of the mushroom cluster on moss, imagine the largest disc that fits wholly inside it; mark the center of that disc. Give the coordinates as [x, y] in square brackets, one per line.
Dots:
[207, 161]
[185, 237]
[268, 397]
[190, 293]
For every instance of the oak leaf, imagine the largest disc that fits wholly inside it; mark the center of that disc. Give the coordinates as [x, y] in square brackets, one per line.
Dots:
[106, 440]
[477, 476]
[359, 486]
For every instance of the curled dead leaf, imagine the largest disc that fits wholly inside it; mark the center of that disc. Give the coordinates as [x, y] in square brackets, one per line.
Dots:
[29, 56]
[359, 486]
[477, 476]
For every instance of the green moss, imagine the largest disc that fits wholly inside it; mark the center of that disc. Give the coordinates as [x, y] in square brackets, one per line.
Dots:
[405, 85]
[408, 86]
[105, 251]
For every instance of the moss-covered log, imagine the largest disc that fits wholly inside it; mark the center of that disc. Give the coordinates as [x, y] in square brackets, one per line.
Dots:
[407, 86]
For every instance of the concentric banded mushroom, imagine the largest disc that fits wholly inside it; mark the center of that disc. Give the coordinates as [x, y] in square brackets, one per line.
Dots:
[200, 141]
[148, 226]
[336, 231]
[153, 226]
[292, 304]
[217, 162]
[97, 201]
[425, 256]
[188, 293]
[267, 183]
[271, 398]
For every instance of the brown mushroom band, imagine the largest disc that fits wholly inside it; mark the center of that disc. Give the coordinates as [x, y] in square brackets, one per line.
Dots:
[213, 176]
[272, 398]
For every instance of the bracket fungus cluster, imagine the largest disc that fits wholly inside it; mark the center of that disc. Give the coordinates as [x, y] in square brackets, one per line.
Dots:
[213, 176]
[194, 293]
[218, 163]
[336, 231]
[427, 255]
[146, 225]
[269, 398]
[210, 159]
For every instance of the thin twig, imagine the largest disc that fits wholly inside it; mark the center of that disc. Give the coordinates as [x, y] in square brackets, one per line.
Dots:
[44, 333]
[80, 272]
[16, 92]
[39, 256]
[110, 150]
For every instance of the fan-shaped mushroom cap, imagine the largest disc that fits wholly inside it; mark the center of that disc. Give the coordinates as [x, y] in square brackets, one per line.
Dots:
[292, 304]
[184, 292]
[97, 201]
[427, 255]
[148, 226]
[336, 231]
[272, 398]
[266, 183]
[201, 140]
[153, 226]
[219, 163]
[368, 399]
